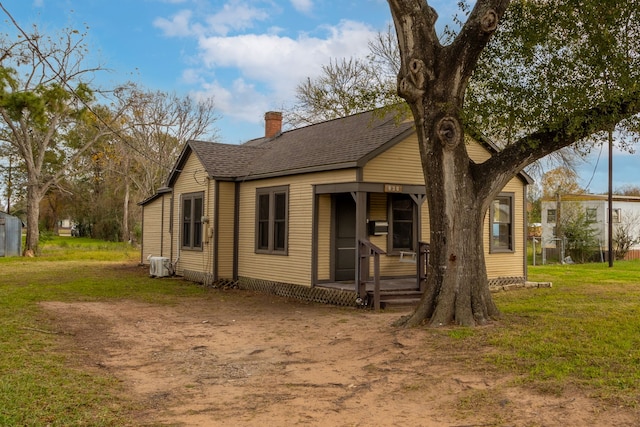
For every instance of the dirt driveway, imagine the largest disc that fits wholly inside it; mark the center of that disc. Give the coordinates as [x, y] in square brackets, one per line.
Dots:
[236, 358]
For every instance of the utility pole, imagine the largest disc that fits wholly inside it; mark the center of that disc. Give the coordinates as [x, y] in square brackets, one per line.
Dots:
[610, 198]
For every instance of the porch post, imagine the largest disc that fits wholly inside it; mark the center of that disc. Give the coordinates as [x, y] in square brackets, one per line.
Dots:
[421, 259]
[314, 237]
[236, 229]
[419, 199]
[216, 230]
[361, 233]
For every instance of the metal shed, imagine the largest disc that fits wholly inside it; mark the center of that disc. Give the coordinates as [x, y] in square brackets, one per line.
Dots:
[10, 235]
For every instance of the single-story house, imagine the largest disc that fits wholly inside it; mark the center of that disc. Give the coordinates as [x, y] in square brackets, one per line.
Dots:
[595, 208]
[10, 235]
[287, 212]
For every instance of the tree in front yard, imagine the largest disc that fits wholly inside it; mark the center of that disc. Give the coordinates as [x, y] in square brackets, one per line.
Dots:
[552, 74]
[580, 233]
[44, 94]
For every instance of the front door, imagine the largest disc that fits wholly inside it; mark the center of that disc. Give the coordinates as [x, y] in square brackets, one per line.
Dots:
[345, 237]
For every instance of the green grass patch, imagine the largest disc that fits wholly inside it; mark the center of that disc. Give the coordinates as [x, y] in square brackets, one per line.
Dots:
[38, 385]
[583, 332]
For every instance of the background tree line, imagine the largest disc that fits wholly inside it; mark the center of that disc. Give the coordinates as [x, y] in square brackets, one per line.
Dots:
[536, 77]
[70, 149]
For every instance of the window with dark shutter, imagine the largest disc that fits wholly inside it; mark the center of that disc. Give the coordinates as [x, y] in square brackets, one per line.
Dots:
[501, 212]
[402, 213]
[192, 212]
[272, 215]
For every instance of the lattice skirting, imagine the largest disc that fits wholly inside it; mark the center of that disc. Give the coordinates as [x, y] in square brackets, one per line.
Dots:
[207, 279]
[305, 293]
[325, 295]
[502, 281]
[509, 283]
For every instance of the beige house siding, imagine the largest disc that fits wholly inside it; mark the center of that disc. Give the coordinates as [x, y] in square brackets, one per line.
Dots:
[378, 212]
[509, 264]
[390, 266]
[295, 267]
[400, 164]
[324, 237]
[406, 166]
[226, 206]
[476, 151]
[167, 244]
[152, 230]
[192, 179]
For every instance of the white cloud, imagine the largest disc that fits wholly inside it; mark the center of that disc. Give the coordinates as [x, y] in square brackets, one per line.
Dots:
[258, 70]
[177, 26]
[241, 105]
[235, 15]
[192, 76]
[282, 62]
[303, 6]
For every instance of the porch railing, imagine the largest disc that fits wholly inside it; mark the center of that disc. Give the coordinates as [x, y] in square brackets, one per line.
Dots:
[366, 250]
[422, 265]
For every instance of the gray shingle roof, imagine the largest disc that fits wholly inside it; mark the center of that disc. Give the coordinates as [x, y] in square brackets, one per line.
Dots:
[335, 144]
[225, 160]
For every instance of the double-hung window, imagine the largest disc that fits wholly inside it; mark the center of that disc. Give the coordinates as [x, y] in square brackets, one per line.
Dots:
[616, 216]
[192, 211]
[502, 220]
[551, 216]
[402, 214]
[272, 215]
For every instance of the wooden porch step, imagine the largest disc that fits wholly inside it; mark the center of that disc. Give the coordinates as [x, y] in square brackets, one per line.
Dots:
[398, 298]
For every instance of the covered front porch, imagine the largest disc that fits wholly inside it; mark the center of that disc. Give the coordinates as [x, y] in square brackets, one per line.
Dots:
[372, 290]
[377, 292]
[388, 217]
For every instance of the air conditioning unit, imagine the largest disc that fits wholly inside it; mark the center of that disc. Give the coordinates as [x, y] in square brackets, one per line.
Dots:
[158, 266]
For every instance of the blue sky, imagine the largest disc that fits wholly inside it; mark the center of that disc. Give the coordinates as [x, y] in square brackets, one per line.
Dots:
[248, 54]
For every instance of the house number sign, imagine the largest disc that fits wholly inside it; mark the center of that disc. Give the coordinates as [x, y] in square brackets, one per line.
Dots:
[393, 188]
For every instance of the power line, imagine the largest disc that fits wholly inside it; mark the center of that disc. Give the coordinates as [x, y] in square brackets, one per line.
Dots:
[595, 168]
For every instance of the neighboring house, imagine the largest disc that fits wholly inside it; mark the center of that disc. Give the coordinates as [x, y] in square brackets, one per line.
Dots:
[66, 227]
[10, 235]
[626, 213]
[285, 212]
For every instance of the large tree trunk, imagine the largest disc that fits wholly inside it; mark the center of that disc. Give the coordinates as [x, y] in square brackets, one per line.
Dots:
[34, 197]
[433, 79]
[125, 209]
[457, 289]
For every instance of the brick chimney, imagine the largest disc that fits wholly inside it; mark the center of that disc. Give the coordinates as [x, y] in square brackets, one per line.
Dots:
[272, 124]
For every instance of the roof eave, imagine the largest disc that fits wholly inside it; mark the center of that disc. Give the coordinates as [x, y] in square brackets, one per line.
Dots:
[161, 191]
[386, 146]
[299, 171]
[177, 168]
